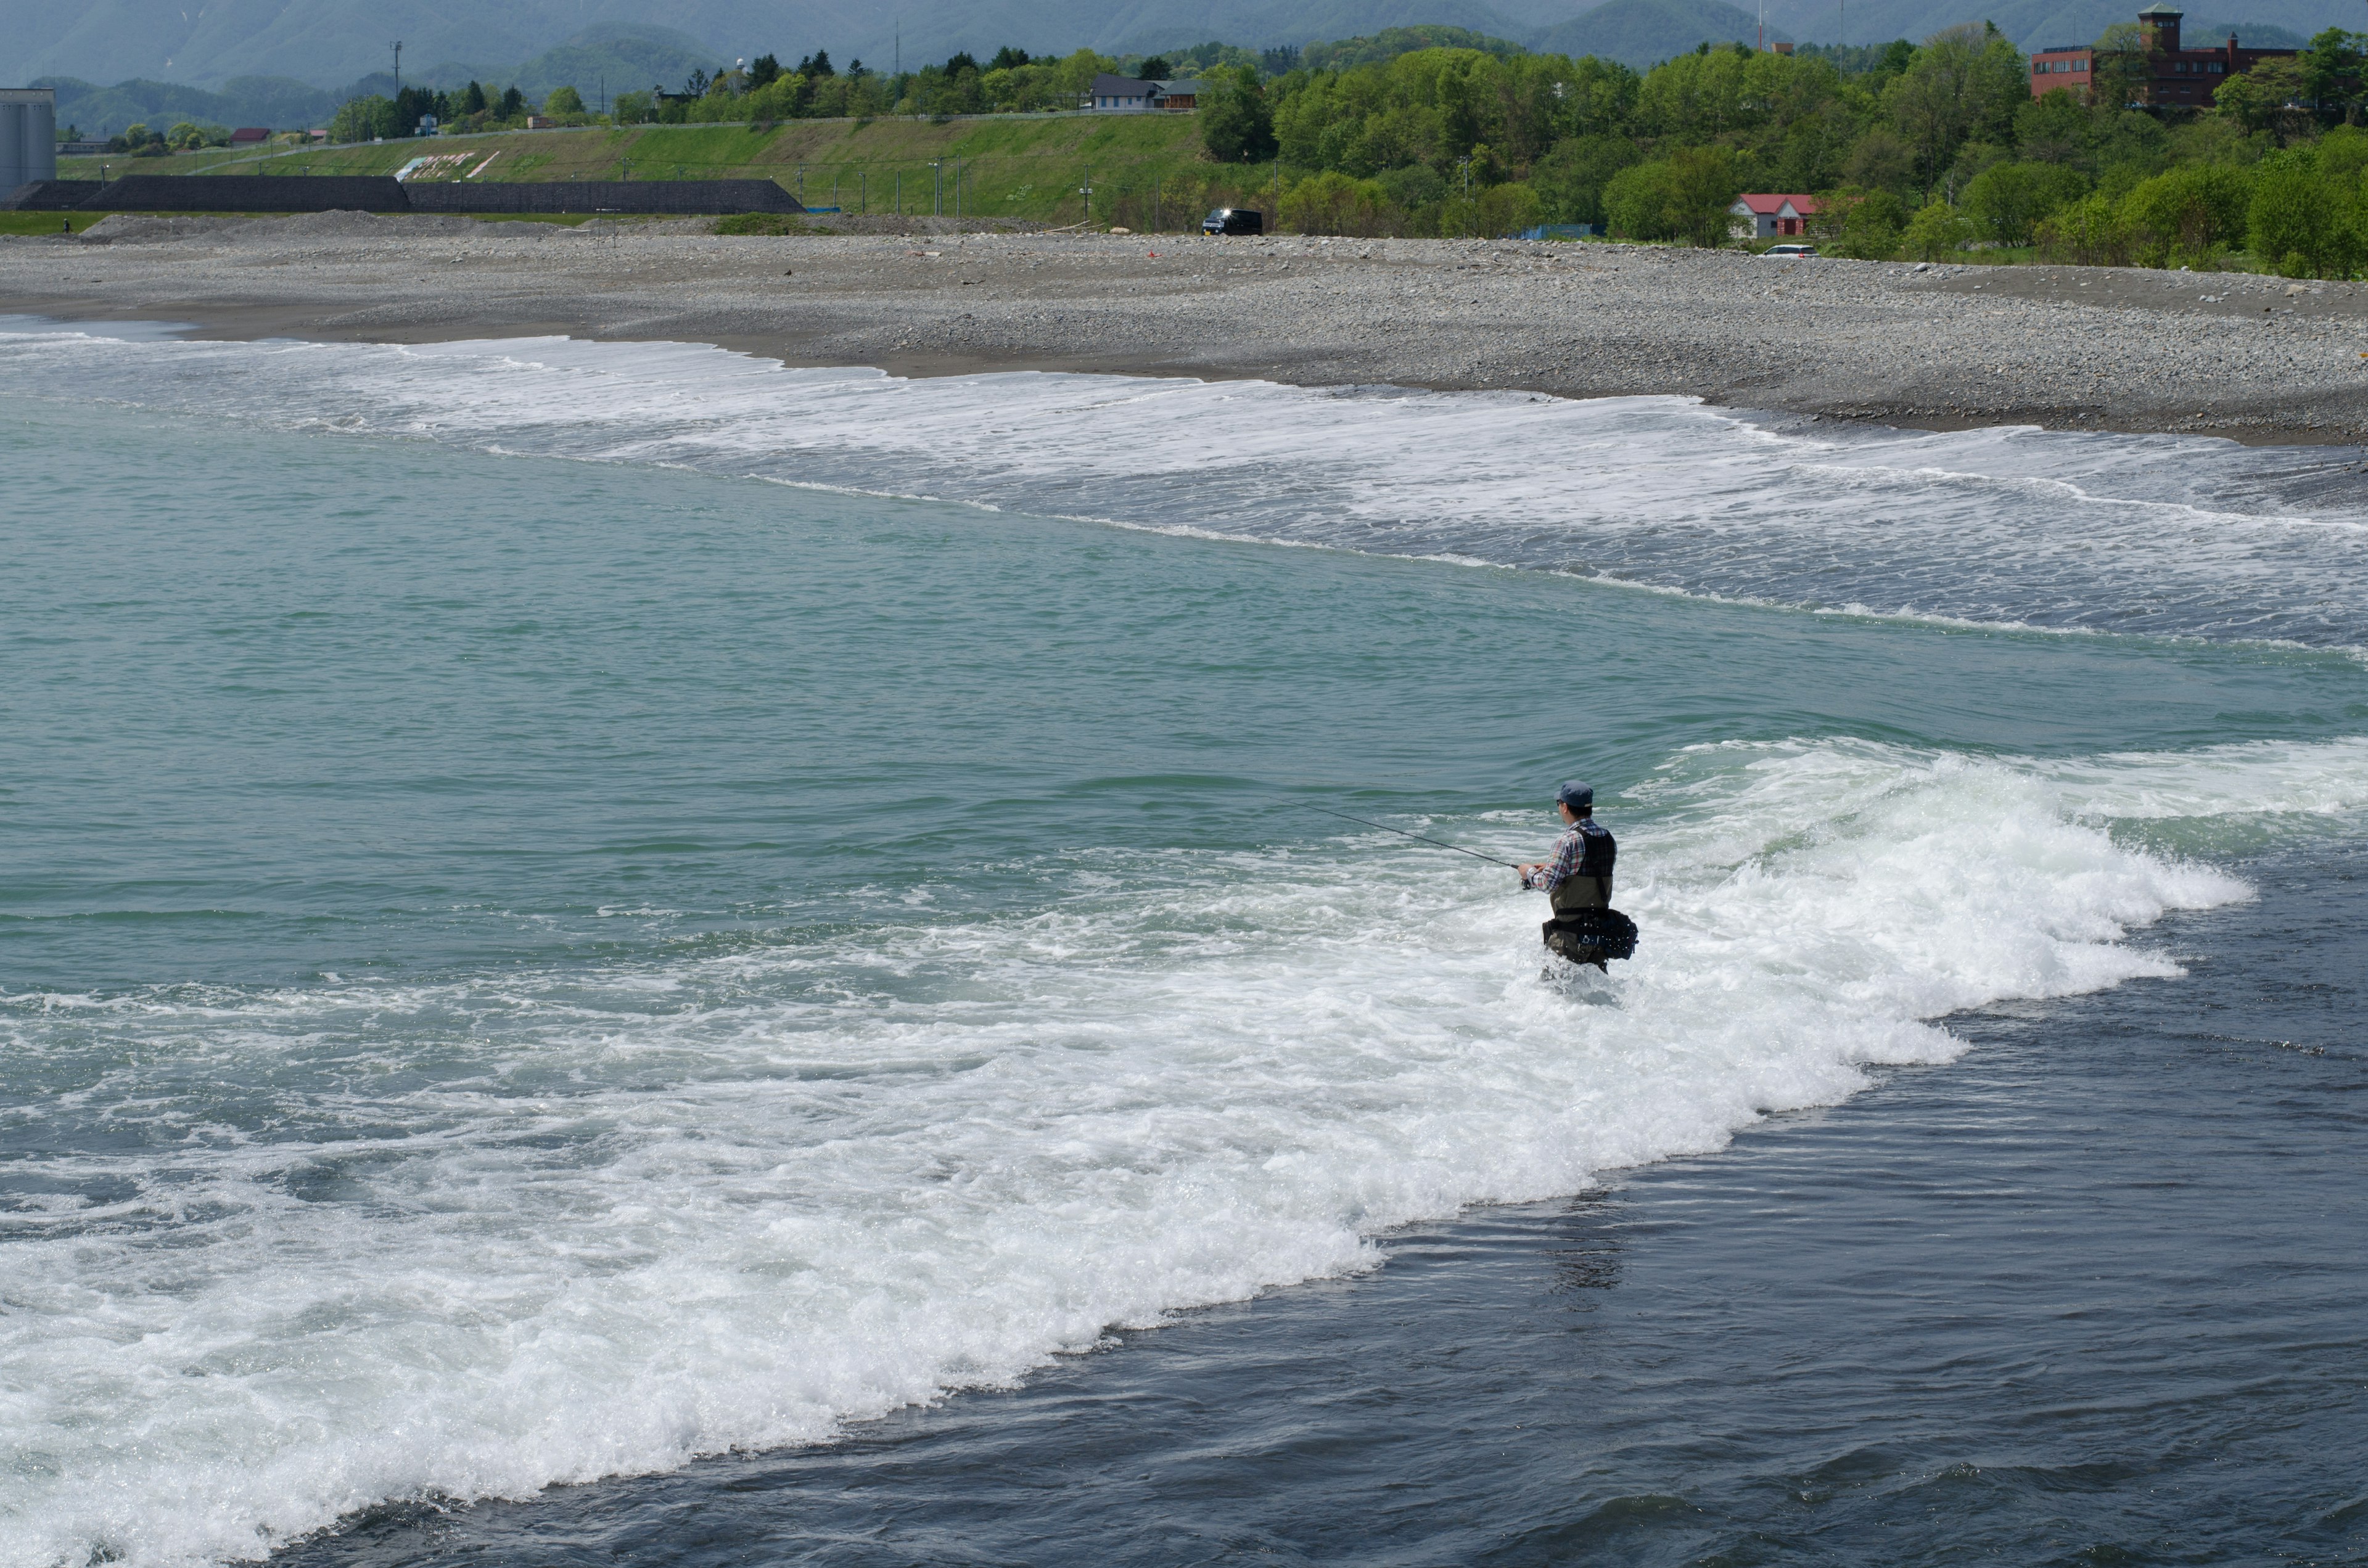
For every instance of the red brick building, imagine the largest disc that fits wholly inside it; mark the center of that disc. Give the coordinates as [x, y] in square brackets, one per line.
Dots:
[2178, 76]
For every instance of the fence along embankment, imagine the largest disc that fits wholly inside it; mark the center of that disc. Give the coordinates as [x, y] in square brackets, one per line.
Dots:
[384, 193]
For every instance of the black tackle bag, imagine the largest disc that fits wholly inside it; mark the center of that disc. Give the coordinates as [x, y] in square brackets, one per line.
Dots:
[1585, 936]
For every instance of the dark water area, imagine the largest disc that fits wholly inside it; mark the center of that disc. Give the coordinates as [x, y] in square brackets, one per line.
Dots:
[2091, 1294]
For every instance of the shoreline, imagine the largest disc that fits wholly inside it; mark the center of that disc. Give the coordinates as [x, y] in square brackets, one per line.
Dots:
[1949, 347]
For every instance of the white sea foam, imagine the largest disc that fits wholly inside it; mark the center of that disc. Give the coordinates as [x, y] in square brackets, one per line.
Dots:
[366, 1239]
[475, 1237]
[2175, 536]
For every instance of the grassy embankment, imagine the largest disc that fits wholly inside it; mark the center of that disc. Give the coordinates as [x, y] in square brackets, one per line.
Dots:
[46, 222]
[1024, 167]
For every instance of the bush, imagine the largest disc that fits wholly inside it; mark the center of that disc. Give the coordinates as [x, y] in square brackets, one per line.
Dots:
[1872, 227]
[1332, 203]
[763, 223]
[2188, 216]
[2008, 201]
[1935, 231]
[2089, 233]
[2303, 222]
[1492, 210]
[362, 118]
[1682, 196]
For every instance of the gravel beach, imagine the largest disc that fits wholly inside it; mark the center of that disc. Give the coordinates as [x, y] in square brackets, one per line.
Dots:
[2237, 354]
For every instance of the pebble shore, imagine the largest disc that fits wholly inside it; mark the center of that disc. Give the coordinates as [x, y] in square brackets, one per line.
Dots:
[2238, 355]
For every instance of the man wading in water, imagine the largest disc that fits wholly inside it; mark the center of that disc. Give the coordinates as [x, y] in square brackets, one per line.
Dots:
[1577, 882]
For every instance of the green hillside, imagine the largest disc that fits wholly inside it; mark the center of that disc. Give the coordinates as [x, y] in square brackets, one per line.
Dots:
[1028, 166]
[1640, 33]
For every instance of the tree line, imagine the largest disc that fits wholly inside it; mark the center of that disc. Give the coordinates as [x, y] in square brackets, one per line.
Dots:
[1917, 149]
[1912, 149]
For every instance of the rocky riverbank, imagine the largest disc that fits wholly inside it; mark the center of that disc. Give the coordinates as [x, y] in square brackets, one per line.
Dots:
[2237, 354]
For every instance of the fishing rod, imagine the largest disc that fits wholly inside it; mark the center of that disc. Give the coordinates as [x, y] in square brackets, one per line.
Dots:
[1425, 837]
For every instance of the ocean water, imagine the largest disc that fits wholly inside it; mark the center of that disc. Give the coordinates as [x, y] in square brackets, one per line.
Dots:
[576, 912]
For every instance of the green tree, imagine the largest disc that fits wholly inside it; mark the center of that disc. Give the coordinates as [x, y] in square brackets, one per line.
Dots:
[2007, 202]
[2089, 233]
[2343, 154]
[1570, 180]
[2056, 127]
[1935, 231]
[1816, 149]
[2332, 72]
[2120, 74]
[2301, 221]
[1237, 124]
[563, 100]
[1963, 81]
[2269, 97]
[1682, 196]
[2187, 216]
[363, 118]
[1880, 162]
[1419, 194]
[1489, 211]
[513, 102]
[1871, 225]
[1332, 203]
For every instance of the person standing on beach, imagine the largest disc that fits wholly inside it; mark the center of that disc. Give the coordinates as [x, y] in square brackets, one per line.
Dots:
[1577, 877]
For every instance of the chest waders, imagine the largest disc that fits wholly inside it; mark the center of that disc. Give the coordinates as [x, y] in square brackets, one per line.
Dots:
[1586, 929]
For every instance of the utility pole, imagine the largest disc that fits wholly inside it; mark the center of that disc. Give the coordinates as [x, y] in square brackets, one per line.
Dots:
[398, 68]
[938, 188]
[1087, 190]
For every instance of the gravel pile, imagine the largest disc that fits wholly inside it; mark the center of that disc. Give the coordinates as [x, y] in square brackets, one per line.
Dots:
[2232, 354]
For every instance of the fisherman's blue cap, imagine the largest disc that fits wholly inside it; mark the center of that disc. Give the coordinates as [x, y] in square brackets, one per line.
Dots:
[1577, 796]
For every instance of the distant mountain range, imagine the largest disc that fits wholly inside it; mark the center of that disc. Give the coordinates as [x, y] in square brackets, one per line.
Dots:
[1639, 32]
[2269, 23]
[609, 60]
[285, 63]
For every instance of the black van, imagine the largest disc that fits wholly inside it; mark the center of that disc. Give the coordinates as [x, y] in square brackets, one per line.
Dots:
[1234, 221]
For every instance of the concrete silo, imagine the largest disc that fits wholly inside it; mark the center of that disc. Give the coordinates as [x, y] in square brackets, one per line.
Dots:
[29, 136]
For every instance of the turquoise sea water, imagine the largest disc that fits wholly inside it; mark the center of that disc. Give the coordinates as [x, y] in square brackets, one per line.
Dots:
[556, 924]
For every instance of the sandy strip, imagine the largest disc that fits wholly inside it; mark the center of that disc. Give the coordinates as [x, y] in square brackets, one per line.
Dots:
[2228, 354]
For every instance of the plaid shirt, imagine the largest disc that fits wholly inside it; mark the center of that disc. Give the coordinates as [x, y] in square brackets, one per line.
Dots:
[1568, 851]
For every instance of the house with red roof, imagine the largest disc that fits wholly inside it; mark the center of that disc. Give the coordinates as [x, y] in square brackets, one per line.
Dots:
[1764, 217]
